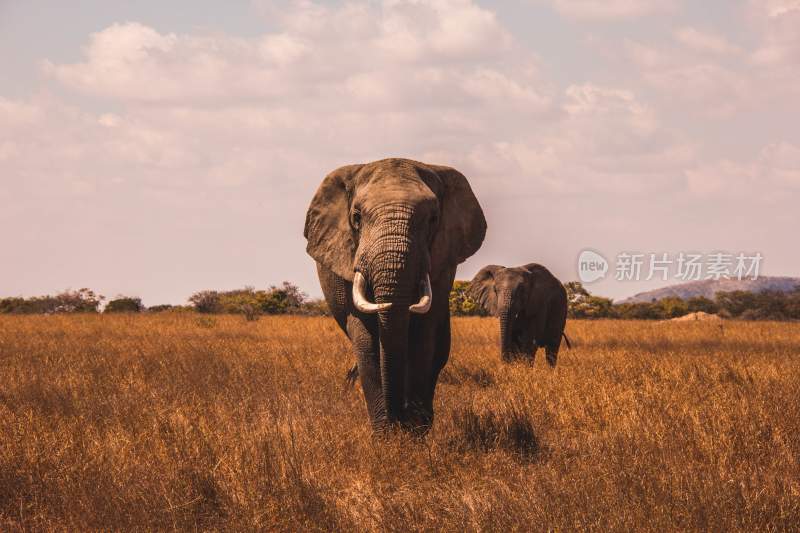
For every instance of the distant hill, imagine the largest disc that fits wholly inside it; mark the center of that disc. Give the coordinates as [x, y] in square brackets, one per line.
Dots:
[710, 287]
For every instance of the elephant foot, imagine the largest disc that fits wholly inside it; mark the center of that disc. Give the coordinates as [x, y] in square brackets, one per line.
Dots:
[516, 357]
[418, 420]
[387, 430]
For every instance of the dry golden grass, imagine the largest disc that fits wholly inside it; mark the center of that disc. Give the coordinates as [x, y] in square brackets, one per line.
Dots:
[189, 422]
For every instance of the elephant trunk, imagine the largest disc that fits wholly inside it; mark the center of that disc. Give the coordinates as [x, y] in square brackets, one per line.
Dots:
[506, 316]
[395, 274]
[393, 332]
[394, 283]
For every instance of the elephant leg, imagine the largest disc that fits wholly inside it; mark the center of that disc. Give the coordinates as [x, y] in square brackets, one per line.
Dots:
[527, 340]
[551, 352]
[555, 328]
[537, 327]
[442, 354]
[552, 347]
[520, 337]
[422, 372]
[363, 331]
[529, 348]
[336, 291]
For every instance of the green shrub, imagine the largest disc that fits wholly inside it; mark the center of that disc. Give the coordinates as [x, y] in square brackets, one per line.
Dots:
[461, 304]
[124, 304]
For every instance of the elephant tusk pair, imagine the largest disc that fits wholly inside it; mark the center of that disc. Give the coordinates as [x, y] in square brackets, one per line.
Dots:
[365, 306]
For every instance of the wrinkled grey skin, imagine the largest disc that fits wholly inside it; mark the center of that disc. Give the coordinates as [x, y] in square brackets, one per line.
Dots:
[394, 221]
[531, 305]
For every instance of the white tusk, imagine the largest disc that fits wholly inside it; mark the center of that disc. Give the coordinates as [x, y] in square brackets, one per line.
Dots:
[424, 304]
[360, 299]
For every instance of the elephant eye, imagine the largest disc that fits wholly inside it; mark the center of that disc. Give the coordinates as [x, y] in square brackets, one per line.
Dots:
[355, 219]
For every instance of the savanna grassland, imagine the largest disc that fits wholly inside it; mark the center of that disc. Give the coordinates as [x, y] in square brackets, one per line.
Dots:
[184, 421]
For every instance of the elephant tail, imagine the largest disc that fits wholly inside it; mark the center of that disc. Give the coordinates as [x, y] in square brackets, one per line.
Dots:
[569, 344]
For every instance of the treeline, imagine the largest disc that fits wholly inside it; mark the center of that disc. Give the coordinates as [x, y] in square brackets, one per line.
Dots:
[277, 300]
[287, 298]
[284, 299]
[80, 301]
[743, 305]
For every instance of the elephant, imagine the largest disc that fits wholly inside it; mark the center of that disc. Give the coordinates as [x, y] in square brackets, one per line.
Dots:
[387, 237]
[531, 305]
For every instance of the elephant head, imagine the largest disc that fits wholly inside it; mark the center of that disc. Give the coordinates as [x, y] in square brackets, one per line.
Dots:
[395, 229]
[506, 293]
[531, 305]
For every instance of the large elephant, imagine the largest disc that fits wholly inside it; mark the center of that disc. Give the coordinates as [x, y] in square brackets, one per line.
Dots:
[387, 237]
[531, 305]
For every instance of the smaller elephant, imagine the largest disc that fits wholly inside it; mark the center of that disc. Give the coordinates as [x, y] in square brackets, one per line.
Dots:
[531, 305]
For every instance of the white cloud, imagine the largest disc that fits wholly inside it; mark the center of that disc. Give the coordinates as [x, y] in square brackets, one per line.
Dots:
[704, 41]
[349, 83]
[371, 53]
[776, 168]
[605, 142]
[401, 77]
[16, 113]
[717, 78]
[223, 133]
[612, 9]
[779, 21]
[779, 164]
[356, 82]
[778, 8]
[710, 88]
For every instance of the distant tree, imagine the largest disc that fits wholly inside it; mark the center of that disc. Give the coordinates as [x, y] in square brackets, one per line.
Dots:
[672, 307]
[735, 303]
[701, 304]
[316, 307]
[575, 291]
[242, 301]
[292, 294]
[206, 302]
[286, 298]
[461, 304]
[792, 305]
[13, 305]
[638, 311]
[581, 303]
[773, 305]
[161, 308]
[124, 304]
[80, 301]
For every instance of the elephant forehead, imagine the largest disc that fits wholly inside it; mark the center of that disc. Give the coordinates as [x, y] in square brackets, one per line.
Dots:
[510, 276]
[390, 189]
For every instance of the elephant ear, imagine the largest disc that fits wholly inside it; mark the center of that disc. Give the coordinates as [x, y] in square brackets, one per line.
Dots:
[330, 239]
[462, 225]
[481, 288]
[536, 269]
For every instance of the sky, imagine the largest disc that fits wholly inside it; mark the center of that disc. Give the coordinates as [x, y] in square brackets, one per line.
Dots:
[156, 149]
